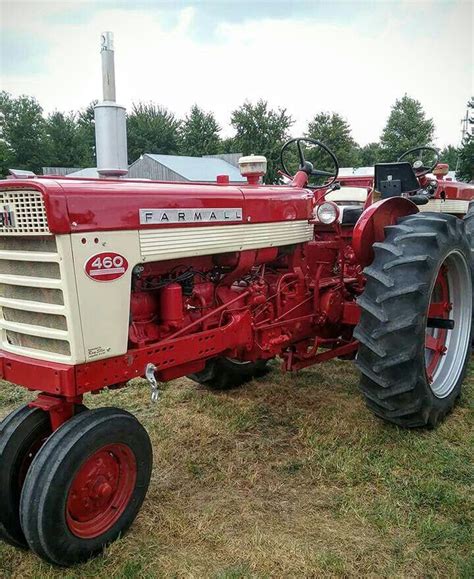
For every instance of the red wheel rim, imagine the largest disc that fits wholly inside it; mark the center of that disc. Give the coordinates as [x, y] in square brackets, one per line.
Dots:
[101, 491]
[439, 308]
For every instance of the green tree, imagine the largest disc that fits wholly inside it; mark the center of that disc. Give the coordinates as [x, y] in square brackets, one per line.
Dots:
[369, 154]
[261, 131]
[465, 169]
[199, 133]
[151, 129]
[407, 127]
[449, 155]
[66, 148]
[334, 132]
[23, 132]
[5, 158]
[228, 145]
[86, 135]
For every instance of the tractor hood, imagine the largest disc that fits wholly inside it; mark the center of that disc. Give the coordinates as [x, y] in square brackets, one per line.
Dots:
[81, 205]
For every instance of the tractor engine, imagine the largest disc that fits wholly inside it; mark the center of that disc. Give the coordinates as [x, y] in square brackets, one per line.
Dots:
[274, 286]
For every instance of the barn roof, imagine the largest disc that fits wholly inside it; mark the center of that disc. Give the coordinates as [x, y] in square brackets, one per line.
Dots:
[198, 168]
[88, 172]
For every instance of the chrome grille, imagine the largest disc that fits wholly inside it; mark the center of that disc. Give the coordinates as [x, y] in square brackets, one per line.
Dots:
[22, 213]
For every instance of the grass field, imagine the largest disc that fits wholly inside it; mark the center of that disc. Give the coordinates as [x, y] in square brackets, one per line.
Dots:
[289, 476]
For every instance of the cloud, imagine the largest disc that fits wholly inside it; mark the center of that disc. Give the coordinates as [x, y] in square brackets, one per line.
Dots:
[355, 66]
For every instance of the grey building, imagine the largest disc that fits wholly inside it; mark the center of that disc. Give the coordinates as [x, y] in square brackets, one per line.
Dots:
[182, 168]
[232, 158]
[60, 170]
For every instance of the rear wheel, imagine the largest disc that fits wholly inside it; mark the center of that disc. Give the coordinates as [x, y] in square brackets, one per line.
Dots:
[415, 322]
[226, 373]
[469, 224]
[22, 434]
[86, 485]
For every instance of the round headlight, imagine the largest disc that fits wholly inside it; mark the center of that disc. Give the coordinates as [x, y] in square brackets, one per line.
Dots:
[327, 213]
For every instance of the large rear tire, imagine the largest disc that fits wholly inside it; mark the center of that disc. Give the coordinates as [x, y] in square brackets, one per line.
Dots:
[86, 485]
[469, 225]
[418, 286]
[224, 373]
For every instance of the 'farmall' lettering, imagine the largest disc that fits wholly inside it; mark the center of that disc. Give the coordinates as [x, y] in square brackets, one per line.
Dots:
[7, 217]
[211, 215]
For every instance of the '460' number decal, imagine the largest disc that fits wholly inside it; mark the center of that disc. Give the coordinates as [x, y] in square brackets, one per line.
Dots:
[106, 266]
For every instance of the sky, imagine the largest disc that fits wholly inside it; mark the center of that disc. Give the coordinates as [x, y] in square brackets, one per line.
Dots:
[355, 58]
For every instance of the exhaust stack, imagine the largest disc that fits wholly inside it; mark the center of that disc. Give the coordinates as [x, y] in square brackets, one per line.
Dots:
[110, 119]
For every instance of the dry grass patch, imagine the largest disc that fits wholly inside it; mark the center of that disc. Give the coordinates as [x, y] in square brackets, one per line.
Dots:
[289, 476]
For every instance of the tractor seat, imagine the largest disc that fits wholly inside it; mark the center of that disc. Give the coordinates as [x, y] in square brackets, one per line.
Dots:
[350, 201]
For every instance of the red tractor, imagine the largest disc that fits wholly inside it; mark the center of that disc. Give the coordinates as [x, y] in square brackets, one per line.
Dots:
[102, 281]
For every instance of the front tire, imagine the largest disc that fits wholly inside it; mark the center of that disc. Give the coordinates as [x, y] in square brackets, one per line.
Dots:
[86, 486]
[418, 286]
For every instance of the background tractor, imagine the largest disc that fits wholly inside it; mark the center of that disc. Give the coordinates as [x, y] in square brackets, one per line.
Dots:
[105, 280]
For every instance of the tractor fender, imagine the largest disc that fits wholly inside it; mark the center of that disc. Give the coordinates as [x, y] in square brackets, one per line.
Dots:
[370, 225]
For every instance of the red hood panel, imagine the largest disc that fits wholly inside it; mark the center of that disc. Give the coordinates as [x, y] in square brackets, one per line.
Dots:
[75, 205]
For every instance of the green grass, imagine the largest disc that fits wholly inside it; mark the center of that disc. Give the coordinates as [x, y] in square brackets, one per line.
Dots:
[289, 476]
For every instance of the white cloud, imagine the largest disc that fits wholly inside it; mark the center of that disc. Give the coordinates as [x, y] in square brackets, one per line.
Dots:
[301, 64]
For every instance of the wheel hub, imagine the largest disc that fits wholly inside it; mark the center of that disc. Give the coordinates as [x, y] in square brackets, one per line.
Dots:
[101, 490]
[436, 337]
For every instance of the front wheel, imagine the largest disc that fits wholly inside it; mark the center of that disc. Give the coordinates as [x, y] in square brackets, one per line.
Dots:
[415, 324]
[86, 485]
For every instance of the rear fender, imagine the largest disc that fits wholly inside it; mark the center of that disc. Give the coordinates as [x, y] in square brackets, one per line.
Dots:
[370, 226]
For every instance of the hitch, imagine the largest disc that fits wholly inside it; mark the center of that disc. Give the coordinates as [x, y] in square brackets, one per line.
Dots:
[150, 376]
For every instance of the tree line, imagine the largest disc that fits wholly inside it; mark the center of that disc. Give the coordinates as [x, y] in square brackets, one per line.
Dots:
[29, 139]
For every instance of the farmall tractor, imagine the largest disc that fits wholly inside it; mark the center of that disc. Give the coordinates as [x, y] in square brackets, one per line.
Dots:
[102, 281]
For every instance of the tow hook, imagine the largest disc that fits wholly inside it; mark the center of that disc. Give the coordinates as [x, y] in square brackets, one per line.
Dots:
[150, 376]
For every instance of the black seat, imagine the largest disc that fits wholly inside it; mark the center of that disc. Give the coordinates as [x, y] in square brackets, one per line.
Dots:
[393, 179]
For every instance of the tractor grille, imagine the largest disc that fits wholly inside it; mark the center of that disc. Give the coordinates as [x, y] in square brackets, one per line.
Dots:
[33, 315]
[22, 212]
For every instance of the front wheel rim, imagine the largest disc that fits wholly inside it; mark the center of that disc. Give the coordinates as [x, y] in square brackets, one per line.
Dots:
[450, 303]
[101, 491]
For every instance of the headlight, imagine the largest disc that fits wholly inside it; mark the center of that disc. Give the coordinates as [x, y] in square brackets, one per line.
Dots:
[327, 213]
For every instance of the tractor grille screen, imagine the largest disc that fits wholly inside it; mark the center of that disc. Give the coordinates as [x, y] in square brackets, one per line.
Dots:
[22, 213]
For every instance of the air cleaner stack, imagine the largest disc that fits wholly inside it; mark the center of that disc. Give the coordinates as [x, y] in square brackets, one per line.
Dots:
[110, 119]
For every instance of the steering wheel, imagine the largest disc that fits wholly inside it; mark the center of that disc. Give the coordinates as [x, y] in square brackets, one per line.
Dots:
[418, 166]
[306, 166]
